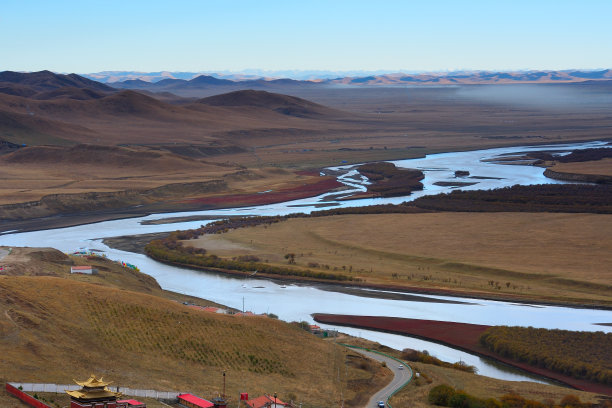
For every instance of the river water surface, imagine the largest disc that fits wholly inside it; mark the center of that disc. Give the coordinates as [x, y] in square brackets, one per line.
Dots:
[297, 302]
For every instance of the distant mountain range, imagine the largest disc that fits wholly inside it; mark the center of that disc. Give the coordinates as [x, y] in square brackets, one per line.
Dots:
[48, 108]
[250, 74]
[142, 80]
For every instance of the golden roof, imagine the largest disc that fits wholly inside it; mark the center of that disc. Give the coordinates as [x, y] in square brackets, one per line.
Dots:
[92, 389]
[93, 382]
[94, 394]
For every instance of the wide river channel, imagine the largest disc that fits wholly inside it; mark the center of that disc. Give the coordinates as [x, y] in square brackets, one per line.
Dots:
[297, 302]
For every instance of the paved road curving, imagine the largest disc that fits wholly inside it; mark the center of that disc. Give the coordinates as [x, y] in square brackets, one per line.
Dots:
[401, 376]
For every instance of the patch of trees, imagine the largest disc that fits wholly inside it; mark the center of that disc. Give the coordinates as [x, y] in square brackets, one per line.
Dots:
[446, 396]
[221, 226]
[390, 181]
[372, 209]
[575, 156]
[424, 357]
[582, 355]
[538, 198]
[171, 250]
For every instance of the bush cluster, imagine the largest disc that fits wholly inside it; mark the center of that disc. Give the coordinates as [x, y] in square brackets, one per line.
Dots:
[171, 250]
[424, 357]
[390, 181]
[446, 396]
[582, 355]
[575, 156]
[572, 198]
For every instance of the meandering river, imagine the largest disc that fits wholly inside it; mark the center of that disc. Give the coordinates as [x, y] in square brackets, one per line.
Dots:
[298, 302]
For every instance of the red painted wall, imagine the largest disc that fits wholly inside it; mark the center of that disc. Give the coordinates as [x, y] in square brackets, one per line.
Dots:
[25, 397]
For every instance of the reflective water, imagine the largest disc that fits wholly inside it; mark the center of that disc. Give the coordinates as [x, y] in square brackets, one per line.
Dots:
[298, 302]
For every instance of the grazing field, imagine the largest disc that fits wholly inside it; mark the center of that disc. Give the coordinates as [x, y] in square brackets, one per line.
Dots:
[109, 169]
[498, 253]
[55, 326]
[601, 167]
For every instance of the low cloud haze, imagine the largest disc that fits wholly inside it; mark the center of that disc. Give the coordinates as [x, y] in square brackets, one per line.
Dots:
[540, 96]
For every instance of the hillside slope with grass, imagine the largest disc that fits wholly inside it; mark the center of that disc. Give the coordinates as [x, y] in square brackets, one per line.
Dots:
[119, 324]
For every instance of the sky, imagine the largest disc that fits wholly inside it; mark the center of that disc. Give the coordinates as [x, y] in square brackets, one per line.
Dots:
[337, 35]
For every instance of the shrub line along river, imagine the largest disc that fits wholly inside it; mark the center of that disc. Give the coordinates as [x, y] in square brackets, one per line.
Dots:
[297, 302]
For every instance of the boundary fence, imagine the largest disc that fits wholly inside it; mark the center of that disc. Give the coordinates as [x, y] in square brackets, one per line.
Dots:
[60, 388]
[27, 399]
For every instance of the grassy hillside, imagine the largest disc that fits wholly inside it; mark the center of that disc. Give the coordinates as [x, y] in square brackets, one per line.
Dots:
[55, 328]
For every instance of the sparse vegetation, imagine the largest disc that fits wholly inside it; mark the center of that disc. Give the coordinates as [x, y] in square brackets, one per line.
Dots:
[425, 357]
[389, 180]
[172, 250]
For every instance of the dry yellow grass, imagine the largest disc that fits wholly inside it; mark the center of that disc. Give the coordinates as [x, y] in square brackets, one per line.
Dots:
[601, 167]
[55, 327]
[53, 330]
[539, 255]
[20, 182]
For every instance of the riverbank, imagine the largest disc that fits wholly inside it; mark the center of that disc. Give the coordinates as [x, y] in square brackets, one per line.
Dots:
[136, 244]
[577, 177]
[351, 287]
[418, 252]
[63, 220]
[463, 336]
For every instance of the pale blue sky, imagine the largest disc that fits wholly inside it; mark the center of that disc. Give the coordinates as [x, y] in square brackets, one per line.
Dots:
[90, 36]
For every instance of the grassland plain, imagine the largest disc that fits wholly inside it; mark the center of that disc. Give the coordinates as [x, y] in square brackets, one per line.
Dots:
[500, 253]
[55, 326]
[601, 167]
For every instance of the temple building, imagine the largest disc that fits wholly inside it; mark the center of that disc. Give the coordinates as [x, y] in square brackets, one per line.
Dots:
[93, 394]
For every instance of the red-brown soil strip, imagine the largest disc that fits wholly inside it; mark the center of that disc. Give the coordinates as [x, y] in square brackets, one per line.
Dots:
[271, 197]
[208, 203]
[463, 336]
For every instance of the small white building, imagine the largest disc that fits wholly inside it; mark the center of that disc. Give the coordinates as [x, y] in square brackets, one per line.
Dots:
[82, 269]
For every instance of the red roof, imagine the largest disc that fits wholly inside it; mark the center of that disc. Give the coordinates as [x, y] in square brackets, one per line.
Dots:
[200, 402]
[132, 402]
[264, 401]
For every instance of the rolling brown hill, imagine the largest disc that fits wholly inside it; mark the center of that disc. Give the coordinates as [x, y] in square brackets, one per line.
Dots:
[47, 80]
[79, 155]
[70, 92]
[285, 104]
[132, 117]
